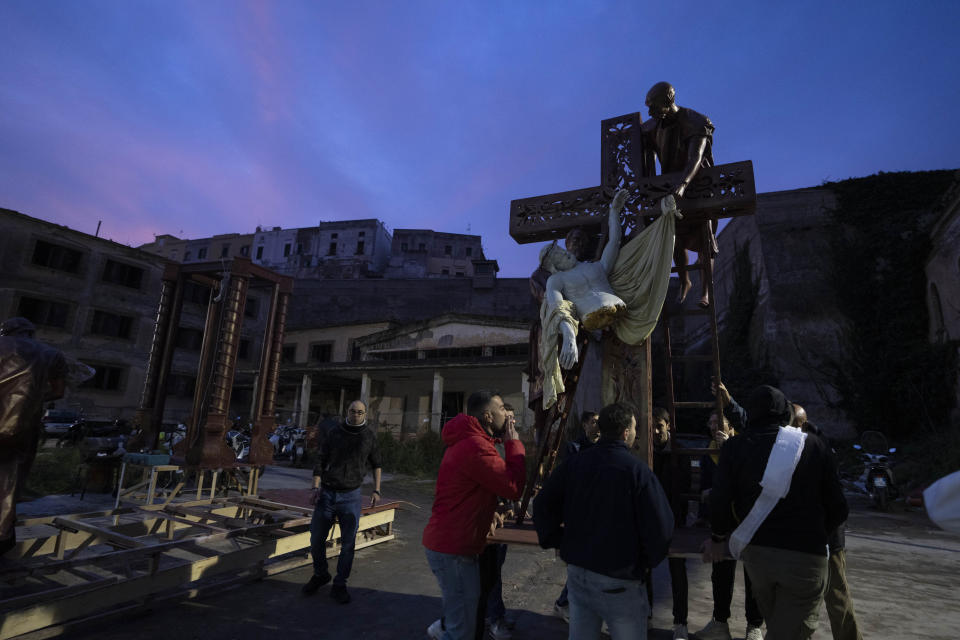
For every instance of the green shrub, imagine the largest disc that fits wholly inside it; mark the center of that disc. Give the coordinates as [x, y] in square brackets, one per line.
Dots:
[418, 456]
[926, 458]
[53, 471]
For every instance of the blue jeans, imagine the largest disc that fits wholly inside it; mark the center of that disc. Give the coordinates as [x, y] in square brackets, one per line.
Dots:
[595, 598]
[343, 506]
[495, 607]
[459, 578]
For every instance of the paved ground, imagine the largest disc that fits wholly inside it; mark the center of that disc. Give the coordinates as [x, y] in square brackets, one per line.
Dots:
[904, 575]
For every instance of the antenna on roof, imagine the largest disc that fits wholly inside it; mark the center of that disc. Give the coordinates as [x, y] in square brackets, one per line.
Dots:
[468, 227]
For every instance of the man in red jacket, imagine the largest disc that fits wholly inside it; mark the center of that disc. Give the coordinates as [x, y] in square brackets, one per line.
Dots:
[472, 475]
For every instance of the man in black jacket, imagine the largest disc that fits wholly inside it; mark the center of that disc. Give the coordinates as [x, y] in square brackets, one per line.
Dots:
[345, 453]
[786, 557]
[606, 512]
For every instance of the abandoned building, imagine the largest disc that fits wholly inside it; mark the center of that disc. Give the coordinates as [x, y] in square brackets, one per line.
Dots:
[415, 321]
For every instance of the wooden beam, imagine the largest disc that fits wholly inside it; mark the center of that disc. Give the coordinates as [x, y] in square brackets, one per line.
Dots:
[113, 538]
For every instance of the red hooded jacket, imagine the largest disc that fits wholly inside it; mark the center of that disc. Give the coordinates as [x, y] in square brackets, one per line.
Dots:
[472, 475]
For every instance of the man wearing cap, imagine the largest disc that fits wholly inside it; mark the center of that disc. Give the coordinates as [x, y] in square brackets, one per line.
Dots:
[30, 374]
[780, 528]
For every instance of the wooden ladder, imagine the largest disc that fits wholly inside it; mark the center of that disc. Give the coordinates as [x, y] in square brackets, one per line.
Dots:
[673, 404]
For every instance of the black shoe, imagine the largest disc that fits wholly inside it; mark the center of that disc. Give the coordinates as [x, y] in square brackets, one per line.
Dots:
[315, 583]
[339, 593]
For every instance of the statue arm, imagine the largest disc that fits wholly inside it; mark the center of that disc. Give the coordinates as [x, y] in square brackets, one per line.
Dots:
[568, 332]
[695, 151]
[612, 248]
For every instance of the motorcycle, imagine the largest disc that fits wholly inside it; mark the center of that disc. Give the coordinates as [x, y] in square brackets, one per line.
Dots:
[240, 443]
[878, 478]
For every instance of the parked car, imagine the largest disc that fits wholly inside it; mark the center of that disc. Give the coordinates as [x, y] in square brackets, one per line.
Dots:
[56, 422]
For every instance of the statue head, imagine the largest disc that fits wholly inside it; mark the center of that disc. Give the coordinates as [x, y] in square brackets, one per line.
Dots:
[660, 101]
[553, 258]
[577, 243]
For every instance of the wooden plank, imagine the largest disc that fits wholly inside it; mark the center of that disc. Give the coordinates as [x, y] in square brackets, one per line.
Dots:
[512, 533]
[38, 616]
[105, 534]
[53, 594]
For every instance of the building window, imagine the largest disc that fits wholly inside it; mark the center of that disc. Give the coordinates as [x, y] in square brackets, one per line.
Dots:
[202, 253]
[181, 386]
[245, 250]
[403, 246]
[122, 274]
[421, 247]
[322, 352]
[196, 293]
[186, 256]
[333, 236]
[225, 251]
[332, 250]
[259, 253]
[354, 350]
[46, 254]
[44, 312]
[111, 324]
[459, 274]
[445, 272]
[362, 233]
[288, 353]
[189, 339]
[469, 251]
[299, 248]
[447, 250]
[286, 249]
[106, 378]
[252, 308]
[360, 247]
[243, 349]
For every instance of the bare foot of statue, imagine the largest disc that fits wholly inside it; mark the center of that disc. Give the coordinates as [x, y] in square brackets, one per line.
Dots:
[704, 301]
[685, 286]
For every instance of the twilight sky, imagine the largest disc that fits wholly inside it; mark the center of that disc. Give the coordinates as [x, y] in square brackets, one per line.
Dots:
[208, 116]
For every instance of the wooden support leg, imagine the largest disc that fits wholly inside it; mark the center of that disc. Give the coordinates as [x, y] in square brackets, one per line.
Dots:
[200, 484]
[213, 484]
[152, 487]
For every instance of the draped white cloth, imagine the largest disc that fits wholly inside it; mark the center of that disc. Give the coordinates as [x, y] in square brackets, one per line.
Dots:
[776, 479]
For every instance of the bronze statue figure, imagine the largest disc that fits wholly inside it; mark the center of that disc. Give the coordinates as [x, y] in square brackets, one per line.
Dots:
[681, 139]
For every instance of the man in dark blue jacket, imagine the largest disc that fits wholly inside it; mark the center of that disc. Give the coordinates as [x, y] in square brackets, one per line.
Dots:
[607, 513]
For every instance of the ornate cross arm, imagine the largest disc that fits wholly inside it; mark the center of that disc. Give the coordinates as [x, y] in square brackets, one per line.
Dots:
[722, 191]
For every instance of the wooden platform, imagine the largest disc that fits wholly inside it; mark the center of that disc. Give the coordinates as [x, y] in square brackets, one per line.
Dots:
[685, 543]
[71, 569]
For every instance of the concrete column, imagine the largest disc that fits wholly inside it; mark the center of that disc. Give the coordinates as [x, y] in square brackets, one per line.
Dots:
[436, 404]
[365, 390]
[305, 385]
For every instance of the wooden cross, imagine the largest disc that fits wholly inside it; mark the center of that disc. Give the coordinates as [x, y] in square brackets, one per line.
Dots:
[721, 191]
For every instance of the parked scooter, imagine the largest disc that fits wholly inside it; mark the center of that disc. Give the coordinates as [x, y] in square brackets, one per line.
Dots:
[878, 478]
[240, 443]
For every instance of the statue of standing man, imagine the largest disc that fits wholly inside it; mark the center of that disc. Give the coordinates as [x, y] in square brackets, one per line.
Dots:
[682, 139]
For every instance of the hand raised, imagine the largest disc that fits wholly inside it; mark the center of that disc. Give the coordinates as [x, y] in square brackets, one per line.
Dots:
[619, 200]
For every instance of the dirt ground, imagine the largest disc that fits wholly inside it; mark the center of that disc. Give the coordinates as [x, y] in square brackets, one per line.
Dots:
[902, 570]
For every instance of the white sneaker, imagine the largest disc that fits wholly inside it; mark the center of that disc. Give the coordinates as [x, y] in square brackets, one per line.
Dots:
[715, 630]
[498, 630]
[562, 612]
[680, 632]
[753, 633]
[604, 629]
[435, 630]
